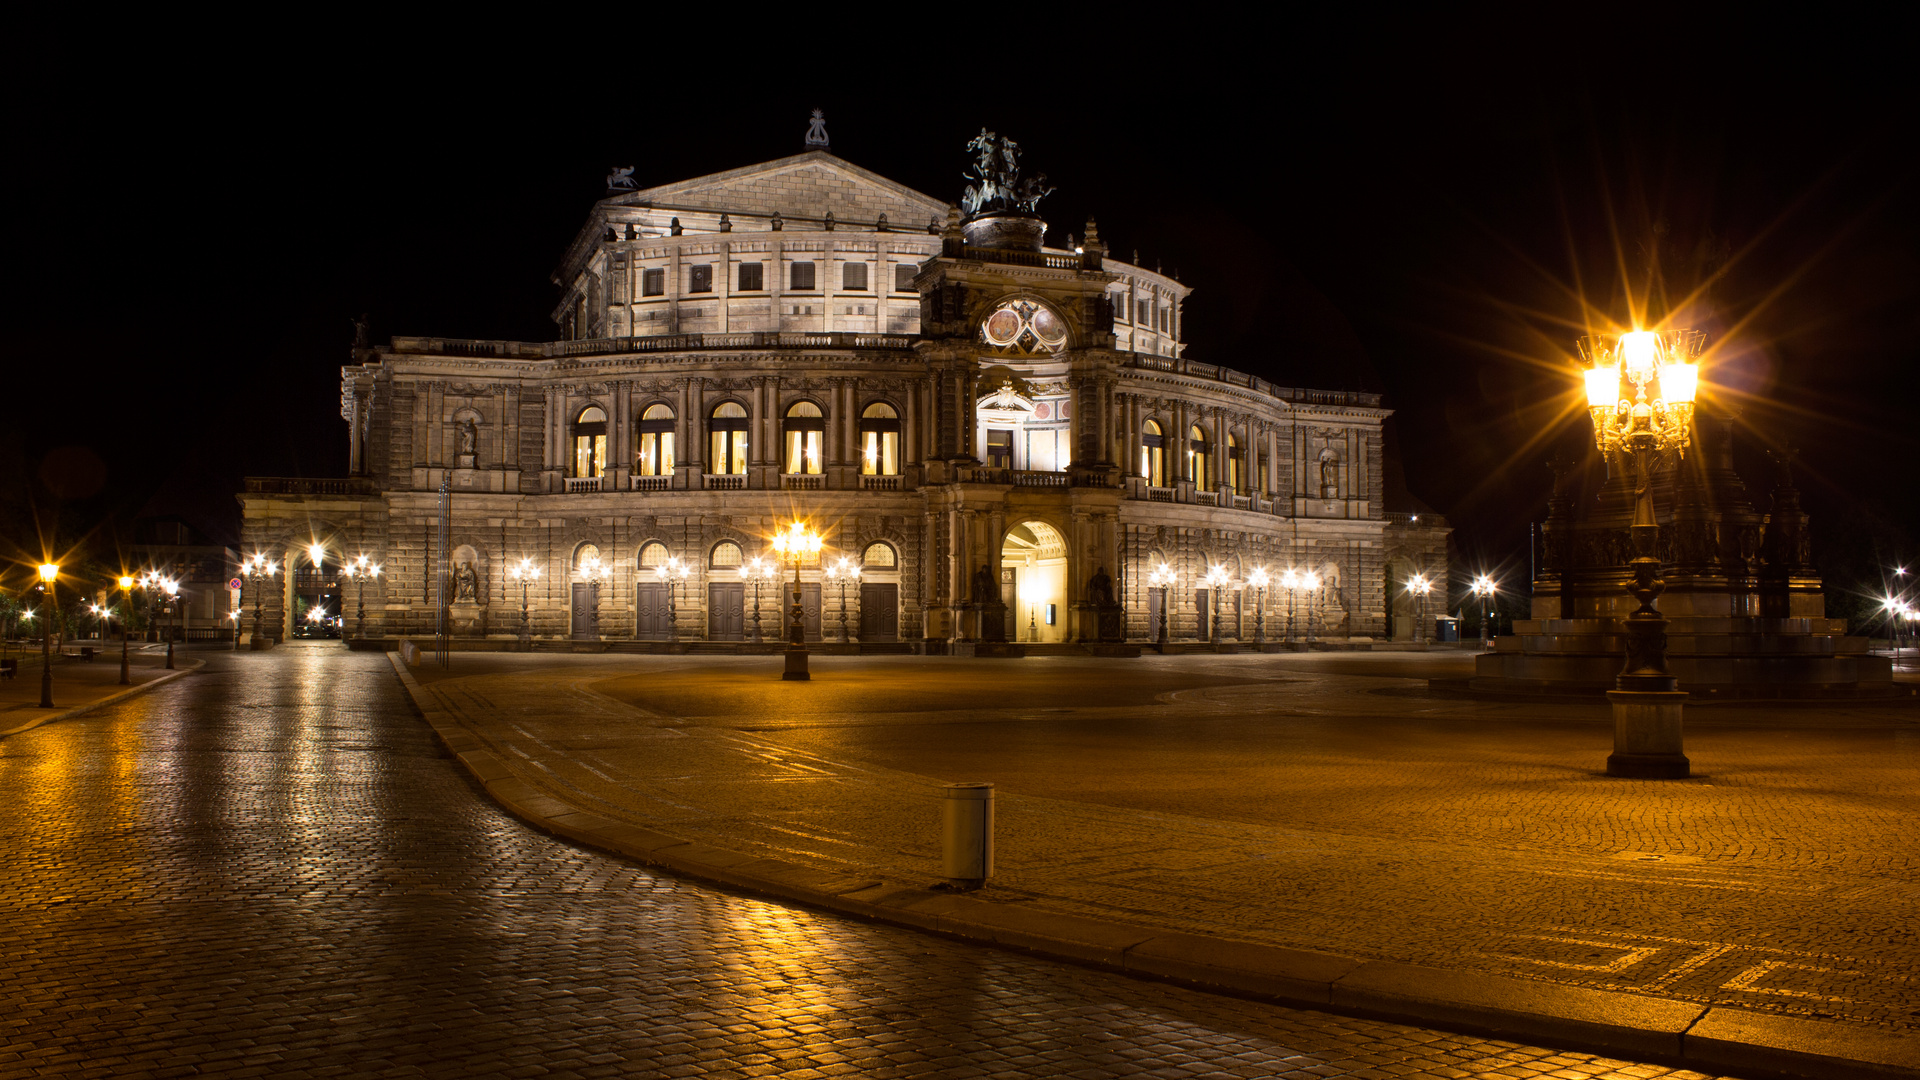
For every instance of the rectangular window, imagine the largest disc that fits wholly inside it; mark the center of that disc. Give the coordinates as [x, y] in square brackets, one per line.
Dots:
[903, 275]
[1166, 315]
[853, 275]
[1000, 449]
[700, 278]
[751, 277]
[653, 282]
[802, 276]
[1144, 316]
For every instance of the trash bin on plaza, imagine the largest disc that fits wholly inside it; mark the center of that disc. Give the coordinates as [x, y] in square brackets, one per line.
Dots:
[966, 828]
[1446, 628]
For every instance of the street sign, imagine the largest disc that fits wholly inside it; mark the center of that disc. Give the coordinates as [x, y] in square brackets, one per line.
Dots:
[234, 584]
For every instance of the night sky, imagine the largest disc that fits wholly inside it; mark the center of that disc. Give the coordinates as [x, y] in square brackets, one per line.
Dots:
[1412, 210]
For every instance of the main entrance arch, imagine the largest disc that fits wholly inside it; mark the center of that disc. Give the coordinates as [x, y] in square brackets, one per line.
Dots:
[1033, 582]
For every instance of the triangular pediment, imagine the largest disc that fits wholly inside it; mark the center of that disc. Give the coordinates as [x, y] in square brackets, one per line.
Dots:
[805, 186]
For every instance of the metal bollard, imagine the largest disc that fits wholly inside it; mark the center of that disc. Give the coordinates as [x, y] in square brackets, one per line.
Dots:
[966, 826]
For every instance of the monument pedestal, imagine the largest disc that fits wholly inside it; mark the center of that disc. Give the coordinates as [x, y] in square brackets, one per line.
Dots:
[1648, 735]
[466, 619]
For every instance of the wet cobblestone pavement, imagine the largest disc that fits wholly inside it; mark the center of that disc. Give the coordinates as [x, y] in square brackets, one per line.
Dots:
[269, 869]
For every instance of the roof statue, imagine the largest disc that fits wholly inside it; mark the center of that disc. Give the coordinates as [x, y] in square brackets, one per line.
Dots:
[621, 179]
[999, 187]
[817, 131]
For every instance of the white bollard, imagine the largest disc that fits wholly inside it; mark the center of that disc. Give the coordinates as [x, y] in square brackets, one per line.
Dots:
[966, 825]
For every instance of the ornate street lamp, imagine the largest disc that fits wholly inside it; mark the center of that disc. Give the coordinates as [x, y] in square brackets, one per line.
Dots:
[1640, 389]
[671, 572]
[757, 570]
[258, 570]
[593, 571]
[235, 616]
[1257, 581]
[358, 571]
[1216, 580]
[526, 573]
[1419, 586]
[1484, 588]
[172, 589]
[1310, 581]
[1291, 582]
[842, 571]
[1163, 577]
[125, 581]
[48, 573]
[797, 544]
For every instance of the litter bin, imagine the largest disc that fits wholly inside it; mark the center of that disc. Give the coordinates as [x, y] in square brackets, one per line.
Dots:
[966, 828]
[1446, 628]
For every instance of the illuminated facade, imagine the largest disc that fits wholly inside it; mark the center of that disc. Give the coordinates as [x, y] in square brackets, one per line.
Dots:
[1005, 436]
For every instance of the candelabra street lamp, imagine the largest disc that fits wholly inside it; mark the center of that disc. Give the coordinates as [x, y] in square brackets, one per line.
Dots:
[672, 572]
[48, 573]
[172, 589]
[1640, 390]
[125, 581]
[757, 570]
[1484, 588]
[841, 572]
[359, 570]
[1216, 580]
[592, 571]
[1419, 586]
[1162, 577]
[259, 570]
[1310, 582]
[1291, 582]
[797, 544]
[1257, 580]
[526, 573]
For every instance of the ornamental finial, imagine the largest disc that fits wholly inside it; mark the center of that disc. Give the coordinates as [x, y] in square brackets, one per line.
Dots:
[817, 131]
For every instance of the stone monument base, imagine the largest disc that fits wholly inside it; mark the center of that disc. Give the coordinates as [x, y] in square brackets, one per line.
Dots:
[1648, 735]
[466, 619]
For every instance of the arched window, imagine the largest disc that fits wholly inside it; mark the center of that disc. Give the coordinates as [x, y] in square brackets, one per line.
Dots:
[880, 440]
[1153, 454]
[1199, 457]
[878, 557]
[1236, 475]
[585, 555]
[655, 441]
[652, 554]
[725, 555]
[806, 428]
[727, 427]
[590, 442]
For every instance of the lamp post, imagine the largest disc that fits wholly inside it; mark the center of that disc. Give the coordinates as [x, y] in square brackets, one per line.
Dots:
[526, 573]
[797, 543]
[1257, 580]
[172, 589]
[258, 570]
[1291, 582]
[358, 571]
[1419, 586]
[1484, 588]
[1216, 580]
[592, 570]
[669, 572]
[842, 571]
[757, 570]
[125, 581]
[1640, 389]
[48, 573]
[1310, 581]
[235, 616]
[1163, 577]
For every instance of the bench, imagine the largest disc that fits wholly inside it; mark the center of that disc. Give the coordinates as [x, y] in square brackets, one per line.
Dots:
[9, 668]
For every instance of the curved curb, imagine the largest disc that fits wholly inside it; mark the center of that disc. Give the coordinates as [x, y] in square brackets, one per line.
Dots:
[1684, 1033]
[49, 718]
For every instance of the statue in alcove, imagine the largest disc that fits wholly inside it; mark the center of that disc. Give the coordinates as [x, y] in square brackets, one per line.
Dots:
[466, 584]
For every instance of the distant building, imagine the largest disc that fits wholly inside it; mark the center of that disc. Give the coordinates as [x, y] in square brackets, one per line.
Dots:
[1005, 437]
[204, 568]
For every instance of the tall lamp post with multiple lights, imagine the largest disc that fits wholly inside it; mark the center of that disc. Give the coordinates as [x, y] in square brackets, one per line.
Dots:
[1640, 389]
[1419, 586]
[526, 573]
[172, 589]
[125, 581]
[1484, 588]
[593, 572]
[672, 572]
[1217, 580]
[843, 570]
[1290, 581]
[1162, 577]
[757, 570]
[259, 570]
[49, 572]
[1310, 581]
[359, 570]
[798, 543]
[1257, 581]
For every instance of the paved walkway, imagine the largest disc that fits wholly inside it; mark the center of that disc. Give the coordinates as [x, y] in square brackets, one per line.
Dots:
[1320, 802]
[271, 868]
[80, 684]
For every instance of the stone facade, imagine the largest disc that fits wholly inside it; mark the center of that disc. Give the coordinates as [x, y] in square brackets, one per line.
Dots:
[984, 429]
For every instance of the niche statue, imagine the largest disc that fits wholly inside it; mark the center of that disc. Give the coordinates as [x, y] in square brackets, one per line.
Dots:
[466, 584]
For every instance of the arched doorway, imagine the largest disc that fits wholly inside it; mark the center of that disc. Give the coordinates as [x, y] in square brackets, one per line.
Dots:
[1033, 582]
[1402, 605]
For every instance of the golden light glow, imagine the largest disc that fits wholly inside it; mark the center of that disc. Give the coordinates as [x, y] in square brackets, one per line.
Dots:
[1678, 382]
[316, 553]
[1258, 577]
[1641, 352]
[797, 541]
[49, 571]
[1603, 386]
[125, 581]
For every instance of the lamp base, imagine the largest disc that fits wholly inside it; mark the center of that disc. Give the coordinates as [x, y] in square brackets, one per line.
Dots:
[1648, 735]
[796, 666]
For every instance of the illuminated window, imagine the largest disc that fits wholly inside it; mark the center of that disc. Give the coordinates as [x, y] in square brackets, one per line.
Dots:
[727, 429]
[752, 277]
[655, 439]
[1153, 454]
[853, 276]
[653, 282]
[878, 557]
[806, 429]
[700, 278]
[903, 275]
[590, 442]
[1000, 449]
[801, 276]
[880, 440]
[1234, 470]
[726, 555]
[653, 554]
[1199, 457]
